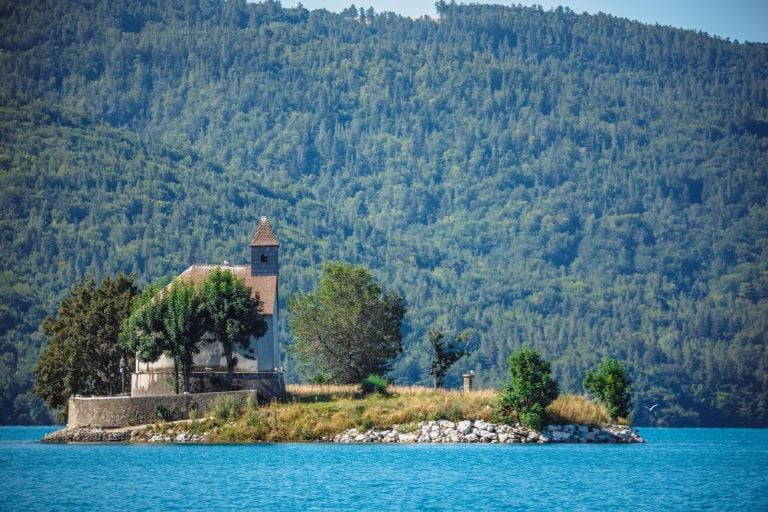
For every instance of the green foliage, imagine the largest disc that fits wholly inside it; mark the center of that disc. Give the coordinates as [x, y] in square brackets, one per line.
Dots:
[83, 355]
[231, 314]
[348, 328]
[609, 382]
[163, 413]
[445, 354]
[528, 390]
[167, 321]
[226, 408]
[581, 184]
[175, 319]
[374, 384]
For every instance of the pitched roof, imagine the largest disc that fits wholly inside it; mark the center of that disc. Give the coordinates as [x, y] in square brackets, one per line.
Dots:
[265, 286]
[264, 235]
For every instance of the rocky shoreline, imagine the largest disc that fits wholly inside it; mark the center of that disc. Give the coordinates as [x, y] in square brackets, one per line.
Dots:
[480, 431]
[441, 431]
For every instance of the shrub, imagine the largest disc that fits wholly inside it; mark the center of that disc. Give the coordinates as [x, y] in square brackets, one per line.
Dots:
[226, 408]
[163, 413]
[529, 390]
[374, 384]
[610, 384]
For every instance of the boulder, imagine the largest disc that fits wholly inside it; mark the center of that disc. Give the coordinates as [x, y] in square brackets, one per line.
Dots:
[464, 427]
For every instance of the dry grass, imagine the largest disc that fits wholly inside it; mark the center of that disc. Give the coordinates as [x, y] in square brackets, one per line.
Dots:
[577, 409]
[321, 412]
[320, 392]
[317, 412]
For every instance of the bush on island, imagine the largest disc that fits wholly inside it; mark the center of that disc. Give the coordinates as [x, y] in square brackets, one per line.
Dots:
[374, 384]
[527, 393]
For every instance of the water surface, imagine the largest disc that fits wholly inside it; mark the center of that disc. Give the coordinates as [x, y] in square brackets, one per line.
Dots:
[677, 469]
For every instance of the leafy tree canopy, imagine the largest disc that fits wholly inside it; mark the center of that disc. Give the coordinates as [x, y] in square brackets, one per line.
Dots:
[348, 328]
[232, 314]
[528, 390]
[609, 382]
[167, 321]
[83, 354]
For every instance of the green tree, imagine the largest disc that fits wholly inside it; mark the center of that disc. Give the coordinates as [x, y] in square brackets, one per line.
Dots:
[143, 331]
[83, 354]
[184, 327]
[609, 382]
[445, 354]
[348, 328]
[232, 314]
[528, 391]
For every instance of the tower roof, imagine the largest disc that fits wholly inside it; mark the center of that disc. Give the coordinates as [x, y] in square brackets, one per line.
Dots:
[264, 235]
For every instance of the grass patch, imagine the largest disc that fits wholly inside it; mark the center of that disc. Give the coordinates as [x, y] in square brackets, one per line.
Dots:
[320, 392]
[577, 409]
[226, 408]
[316, 413]
[310, 415]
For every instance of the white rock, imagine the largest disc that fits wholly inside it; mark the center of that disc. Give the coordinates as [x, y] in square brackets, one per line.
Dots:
[485, 434]
[407, 437]
[465, 427]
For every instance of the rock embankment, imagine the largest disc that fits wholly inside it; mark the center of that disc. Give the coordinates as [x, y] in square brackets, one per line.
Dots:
[87, 435]
[142, 434]
[441, 431]
[480, 431]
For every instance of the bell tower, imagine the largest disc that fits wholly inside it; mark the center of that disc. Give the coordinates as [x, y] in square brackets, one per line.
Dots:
[264, 250]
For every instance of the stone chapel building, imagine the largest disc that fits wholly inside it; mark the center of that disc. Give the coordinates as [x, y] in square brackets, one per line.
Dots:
[258, 367]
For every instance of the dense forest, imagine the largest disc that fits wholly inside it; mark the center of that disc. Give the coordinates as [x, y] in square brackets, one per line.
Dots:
[583, 185]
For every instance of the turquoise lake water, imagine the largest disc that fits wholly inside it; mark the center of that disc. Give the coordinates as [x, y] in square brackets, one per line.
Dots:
[677, 469]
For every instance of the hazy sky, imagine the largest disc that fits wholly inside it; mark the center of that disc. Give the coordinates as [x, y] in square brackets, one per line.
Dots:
[745, 20]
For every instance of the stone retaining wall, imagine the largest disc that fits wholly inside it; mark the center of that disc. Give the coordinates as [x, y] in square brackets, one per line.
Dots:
[122, 411]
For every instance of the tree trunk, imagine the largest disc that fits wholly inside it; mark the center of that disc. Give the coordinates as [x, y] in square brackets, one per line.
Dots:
[176, 375]
[186, 378]
[230, 367]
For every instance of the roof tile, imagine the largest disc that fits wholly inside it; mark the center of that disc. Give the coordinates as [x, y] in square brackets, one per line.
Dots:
[264, 235]
[265, 286]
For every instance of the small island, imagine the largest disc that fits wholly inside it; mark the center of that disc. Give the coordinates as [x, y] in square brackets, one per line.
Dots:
[345, 414]
[205, 351]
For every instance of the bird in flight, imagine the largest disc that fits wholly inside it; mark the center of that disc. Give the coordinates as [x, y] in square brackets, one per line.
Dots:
[651, 408]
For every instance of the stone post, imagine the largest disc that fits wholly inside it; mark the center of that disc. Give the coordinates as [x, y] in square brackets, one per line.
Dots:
[468, 381]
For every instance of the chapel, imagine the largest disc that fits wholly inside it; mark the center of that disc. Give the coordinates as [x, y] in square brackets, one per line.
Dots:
[258, 367]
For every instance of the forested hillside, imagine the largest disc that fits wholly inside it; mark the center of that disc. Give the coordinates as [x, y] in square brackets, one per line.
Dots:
[584, 185]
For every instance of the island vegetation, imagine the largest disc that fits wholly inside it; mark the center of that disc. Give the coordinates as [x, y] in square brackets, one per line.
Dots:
[347, 329]
[320, 412]
[582, 185]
